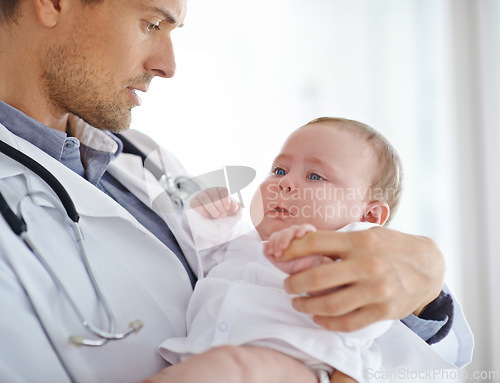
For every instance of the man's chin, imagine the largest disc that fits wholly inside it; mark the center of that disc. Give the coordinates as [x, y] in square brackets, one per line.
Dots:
[114, 125]
[119, 129]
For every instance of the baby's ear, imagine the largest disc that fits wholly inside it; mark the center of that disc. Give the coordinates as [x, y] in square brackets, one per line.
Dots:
[377, 212]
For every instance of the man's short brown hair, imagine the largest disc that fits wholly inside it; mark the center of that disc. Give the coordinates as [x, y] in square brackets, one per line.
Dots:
[9, 9]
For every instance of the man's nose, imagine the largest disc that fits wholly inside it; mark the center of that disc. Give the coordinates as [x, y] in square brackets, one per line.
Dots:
[162, 60]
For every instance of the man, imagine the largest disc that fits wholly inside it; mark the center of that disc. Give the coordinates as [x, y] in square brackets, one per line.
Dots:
[70, 71]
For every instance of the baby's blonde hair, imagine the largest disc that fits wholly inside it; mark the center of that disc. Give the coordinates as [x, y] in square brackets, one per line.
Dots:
[386, 183]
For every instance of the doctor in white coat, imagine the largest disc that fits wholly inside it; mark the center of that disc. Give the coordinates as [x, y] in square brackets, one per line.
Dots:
[63, 62]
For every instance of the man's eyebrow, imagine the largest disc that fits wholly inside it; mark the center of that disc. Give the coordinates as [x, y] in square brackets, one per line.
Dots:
[165, 14]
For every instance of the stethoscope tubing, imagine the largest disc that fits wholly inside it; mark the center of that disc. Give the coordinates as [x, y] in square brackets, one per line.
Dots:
[63, 205]
[45, 175]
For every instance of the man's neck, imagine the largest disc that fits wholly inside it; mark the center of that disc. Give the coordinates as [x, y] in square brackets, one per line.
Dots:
[20, 81]
[33, 109]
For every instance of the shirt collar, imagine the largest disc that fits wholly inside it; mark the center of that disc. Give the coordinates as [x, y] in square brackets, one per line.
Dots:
[49, 140]
[97, 148]
[93, 138]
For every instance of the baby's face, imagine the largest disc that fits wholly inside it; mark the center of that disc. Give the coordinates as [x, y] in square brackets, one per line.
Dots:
[321, 176]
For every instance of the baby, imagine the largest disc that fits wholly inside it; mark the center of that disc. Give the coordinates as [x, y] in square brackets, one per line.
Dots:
[331, 174]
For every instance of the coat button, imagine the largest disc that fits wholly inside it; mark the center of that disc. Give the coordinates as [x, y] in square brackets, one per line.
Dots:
[222, 326]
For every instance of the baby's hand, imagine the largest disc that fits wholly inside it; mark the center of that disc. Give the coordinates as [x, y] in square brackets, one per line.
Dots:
[280, 240]
[215, 203]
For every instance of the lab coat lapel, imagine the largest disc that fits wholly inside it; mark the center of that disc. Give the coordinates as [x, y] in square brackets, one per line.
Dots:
[9, 168]
[129, 170]
[88, 200]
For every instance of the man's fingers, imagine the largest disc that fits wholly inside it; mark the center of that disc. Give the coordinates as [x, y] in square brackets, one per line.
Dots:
[352, 321]
[391, 273]
[327, 243]
[320, 278]
[337, 303]
[340, 301]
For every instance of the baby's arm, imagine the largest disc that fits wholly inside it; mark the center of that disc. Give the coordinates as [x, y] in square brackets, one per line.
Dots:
[280, 240]
[229, 364]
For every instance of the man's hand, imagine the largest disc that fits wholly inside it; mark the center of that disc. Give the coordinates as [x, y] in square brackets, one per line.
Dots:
[384, 274]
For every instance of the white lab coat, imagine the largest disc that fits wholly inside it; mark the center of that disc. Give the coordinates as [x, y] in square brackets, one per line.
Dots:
[138, 275]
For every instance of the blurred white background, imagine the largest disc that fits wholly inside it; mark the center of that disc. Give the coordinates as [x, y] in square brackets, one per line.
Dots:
[425, 73]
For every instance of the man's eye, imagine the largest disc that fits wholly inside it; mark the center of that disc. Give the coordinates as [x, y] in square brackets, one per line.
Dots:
[279, 171]
[152, 27]
[316, 177]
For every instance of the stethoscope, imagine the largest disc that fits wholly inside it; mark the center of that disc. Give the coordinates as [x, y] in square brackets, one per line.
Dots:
[64, 204]
[178, 189]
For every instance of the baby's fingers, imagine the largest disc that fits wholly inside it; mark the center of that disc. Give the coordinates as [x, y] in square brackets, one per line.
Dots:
[235, 207]
[303, 229]
[279, 241]
[223, 201]
[204, 206]
[221, 198]
[214, 203]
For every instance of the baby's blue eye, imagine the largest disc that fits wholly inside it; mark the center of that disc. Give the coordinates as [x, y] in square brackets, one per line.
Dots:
[315, 177]
[279, 171]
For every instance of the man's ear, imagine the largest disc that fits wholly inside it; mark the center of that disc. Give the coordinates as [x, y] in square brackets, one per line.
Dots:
[48, 12]
[376, 212]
